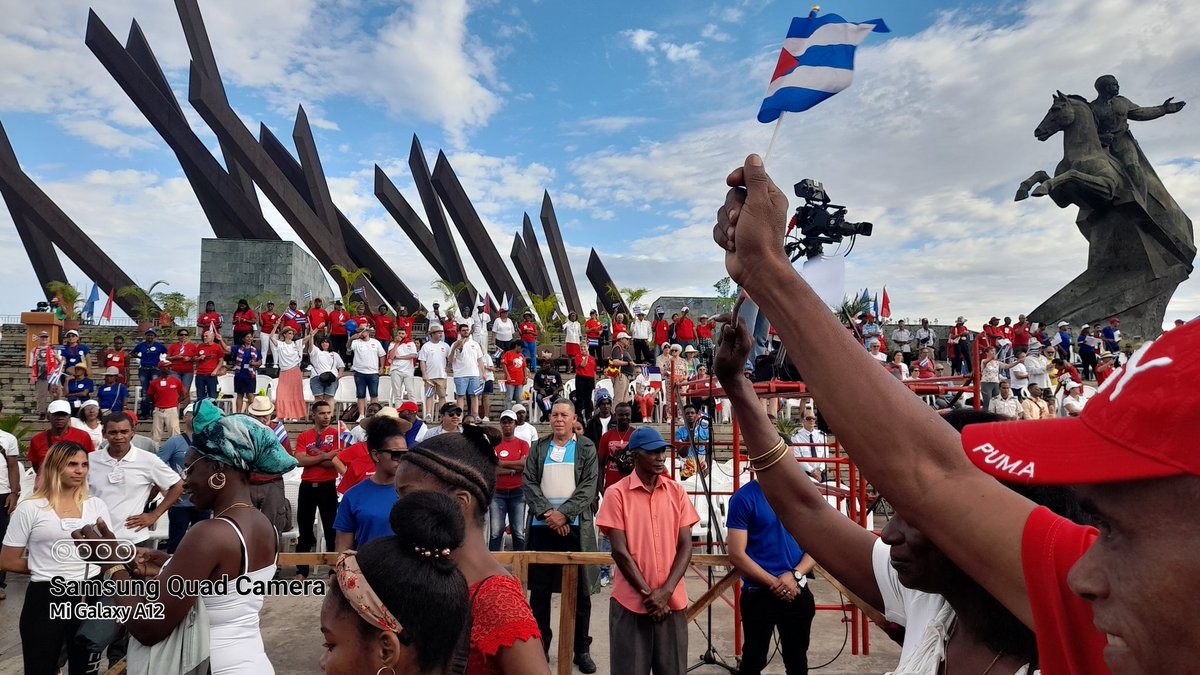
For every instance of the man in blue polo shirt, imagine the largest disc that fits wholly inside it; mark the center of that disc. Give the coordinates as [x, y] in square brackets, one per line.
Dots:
[112, 394]
[148, 353]
[775, 593]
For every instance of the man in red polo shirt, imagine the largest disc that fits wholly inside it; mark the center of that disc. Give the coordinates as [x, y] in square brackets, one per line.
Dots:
[1020, 334]
[641, 514]
[318, 316]
[315, 451]
[182, 355]
[662, 330]
[337, 327]
[59, 415]
[167, 393]
[384, 325]
[266, 323]
[363, 316]
[685, 328]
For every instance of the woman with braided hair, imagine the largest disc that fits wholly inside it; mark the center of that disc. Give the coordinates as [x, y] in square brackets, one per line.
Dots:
[504, 636]
[376, 618]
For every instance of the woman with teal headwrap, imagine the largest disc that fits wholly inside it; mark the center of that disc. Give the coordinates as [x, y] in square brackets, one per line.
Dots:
[237, 541]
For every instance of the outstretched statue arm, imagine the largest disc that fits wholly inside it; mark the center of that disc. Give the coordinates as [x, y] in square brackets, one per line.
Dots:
[1142, 114]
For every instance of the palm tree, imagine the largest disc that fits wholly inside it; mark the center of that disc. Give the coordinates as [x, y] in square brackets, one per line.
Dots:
[727, 293]
[175, 304]
[852, 307]
[544, 308]
[454, 295]
[348, 280]
[71, 297]
[259, 302]
[14, 424]
[145, 308]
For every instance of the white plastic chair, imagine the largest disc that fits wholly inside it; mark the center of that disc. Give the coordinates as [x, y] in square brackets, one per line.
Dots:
[267, 383]
[605, 384]
[28, 479]
[345, 392]
[385, 389]
[225, 393]
[306, 387]
[291, 490]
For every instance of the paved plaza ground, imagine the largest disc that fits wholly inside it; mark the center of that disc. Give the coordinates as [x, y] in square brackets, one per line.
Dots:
[292, 635]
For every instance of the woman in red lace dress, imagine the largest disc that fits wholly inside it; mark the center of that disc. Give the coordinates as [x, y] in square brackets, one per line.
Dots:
[504, 636]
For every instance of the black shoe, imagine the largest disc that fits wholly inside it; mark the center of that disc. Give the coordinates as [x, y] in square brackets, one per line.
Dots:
[585, 663]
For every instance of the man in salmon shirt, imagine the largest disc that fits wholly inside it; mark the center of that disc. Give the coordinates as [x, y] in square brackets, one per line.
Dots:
[266, 322]
[182, 355]
[337, 327]
[641, 514]
[318, 316]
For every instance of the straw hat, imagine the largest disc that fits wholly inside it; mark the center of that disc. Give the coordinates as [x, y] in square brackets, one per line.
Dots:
[261, 406]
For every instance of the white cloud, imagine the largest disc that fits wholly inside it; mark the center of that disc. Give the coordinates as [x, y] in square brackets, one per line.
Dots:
[930, 143]
[711, 32]
[675, 53]
[640, 39]
[611, 124]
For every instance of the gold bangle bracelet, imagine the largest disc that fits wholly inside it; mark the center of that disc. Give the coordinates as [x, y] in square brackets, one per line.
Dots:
[781, 444]
[771, 463]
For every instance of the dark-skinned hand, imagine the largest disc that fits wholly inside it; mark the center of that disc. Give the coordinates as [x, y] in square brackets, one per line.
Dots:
[751, 224]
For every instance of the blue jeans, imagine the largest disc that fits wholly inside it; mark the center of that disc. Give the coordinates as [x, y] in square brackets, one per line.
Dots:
[510, 504]
[319, 388]
[364, 383]
[759, 327]
[146, 375]
[206, 387]
[530, 351]
[186, 379]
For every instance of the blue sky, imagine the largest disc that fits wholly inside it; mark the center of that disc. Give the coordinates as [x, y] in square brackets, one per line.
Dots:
[630, 114]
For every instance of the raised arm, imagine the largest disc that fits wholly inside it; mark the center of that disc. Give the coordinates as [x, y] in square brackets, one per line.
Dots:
[922, 471]
[839, 544]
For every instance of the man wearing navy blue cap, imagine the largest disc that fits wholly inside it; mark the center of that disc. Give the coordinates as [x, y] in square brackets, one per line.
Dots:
[641, 514]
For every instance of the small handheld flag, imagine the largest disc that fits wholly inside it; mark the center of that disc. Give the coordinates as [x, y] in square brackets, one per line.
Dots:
[308, 295]
[816, 62]
[361, 290]
[107, 313]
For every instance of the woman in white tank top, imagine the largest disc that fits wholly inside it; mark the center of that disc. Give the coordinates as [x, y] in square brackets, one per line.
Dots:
[236, 549]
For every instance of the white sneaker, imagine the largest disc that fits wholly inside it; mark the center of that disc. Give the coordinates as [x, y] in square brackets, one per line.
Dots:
[485, 420]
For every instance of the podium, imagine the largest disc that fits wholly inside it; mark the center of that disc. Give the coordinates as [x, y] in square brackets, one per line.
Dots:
[35, 323]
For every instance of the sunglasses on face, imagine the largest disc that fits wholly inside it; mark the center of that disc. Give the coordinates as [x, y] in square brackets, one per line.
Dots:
[453, 413]
[810, 419]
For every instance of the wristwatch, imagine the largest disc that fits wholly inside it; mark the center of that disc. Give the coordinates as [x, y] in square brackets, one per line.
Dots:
[801, 579]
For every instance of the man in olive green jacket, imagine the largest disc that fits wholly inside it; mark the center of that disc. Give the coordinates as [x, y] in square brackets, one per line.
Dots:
[560, 482]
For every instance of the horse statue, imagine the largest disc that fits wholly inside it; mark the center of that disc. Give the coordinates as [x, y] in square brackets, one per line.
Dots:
[1140, 243]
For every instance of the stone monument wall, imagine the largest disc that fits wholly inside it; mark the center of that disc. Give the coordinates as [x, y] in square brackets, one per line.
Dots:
[231, 269]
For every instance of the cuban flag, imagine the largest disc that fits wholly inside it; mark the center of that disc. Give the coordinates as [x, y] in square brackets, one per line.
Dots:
[654, 375]
[817, 61]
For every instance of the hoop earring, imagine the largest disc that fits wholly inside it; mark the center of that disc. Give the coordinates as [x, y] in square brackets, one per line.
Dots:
[212, 481]
[387, 668]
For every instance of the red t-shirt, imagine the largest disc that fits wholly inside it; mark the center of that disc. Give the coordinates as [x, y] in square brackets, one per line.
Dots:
[310, 443]
[611, 444]
[593, 328]
[116, 358]
[529, 332]
[180, 354]
[268, 321]
[685, 330]
[1068, 641]
[359, 466]
[291, 320]
[39, 445]
[1006, 332]
[514, 368]
[363, 320]
[337, 322]
[662, 331]
[1020, 334]
[618, 328]
[451, 329]
[384, 325]
[209, 321]
[243, 322]
[166, 393]
[511, 450]
[317, 316]
[405, 322]
[585, 365]
[705, 330]
[500, 618]
[209, 357]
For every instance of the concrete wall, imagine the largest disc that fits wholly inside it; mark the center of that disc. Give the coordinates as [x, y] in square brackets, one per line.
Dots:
[231, 269]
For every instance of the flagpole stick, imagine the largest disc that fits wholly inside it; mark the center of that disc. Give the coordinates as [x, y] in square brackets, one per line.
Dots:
[774, 135]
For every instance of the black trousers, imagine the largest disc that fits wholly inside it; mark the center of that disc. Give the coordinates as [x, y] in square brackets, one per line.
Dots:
[1087, 364]
[337, 343]
[3, 529]
[314, 497]
[762, 614]
[43, 638]
[642, 352]
[546, 580]
[584, 387]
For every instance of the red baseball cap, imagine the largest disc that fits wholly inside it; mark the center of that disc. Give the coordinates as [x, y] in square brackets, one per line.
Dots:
[409, 406]
[1124, 433]
[1114, 320]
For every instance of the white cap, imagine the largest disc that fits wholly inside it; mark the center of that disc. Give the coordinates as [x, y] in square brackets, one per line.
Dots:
[686, 309]
[519, 408]
[622, 335]
[57, 407]
[1063, 323]
[508, 415]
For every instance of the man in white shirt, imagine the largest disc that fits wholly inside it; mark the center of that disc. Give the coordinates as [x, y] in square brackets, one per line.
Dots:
[10, 485]
[926, 337]
[525, 431]
[1018, 375]
[812, 446]
[902, 341]
[479, 326]
[433, 357]
[402, 368]
[503, 330]
[125, 476]
[1006, 404]
[642, 333]
[467, 366]
[366, 355]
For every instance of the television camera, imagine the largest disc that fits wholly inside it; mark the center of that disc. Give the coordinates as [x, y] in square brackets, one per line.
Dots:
[818, 222]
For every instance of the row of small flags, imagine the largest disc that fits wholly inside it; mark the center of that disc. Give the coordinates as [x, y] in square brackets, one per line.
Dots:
[884, 310]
